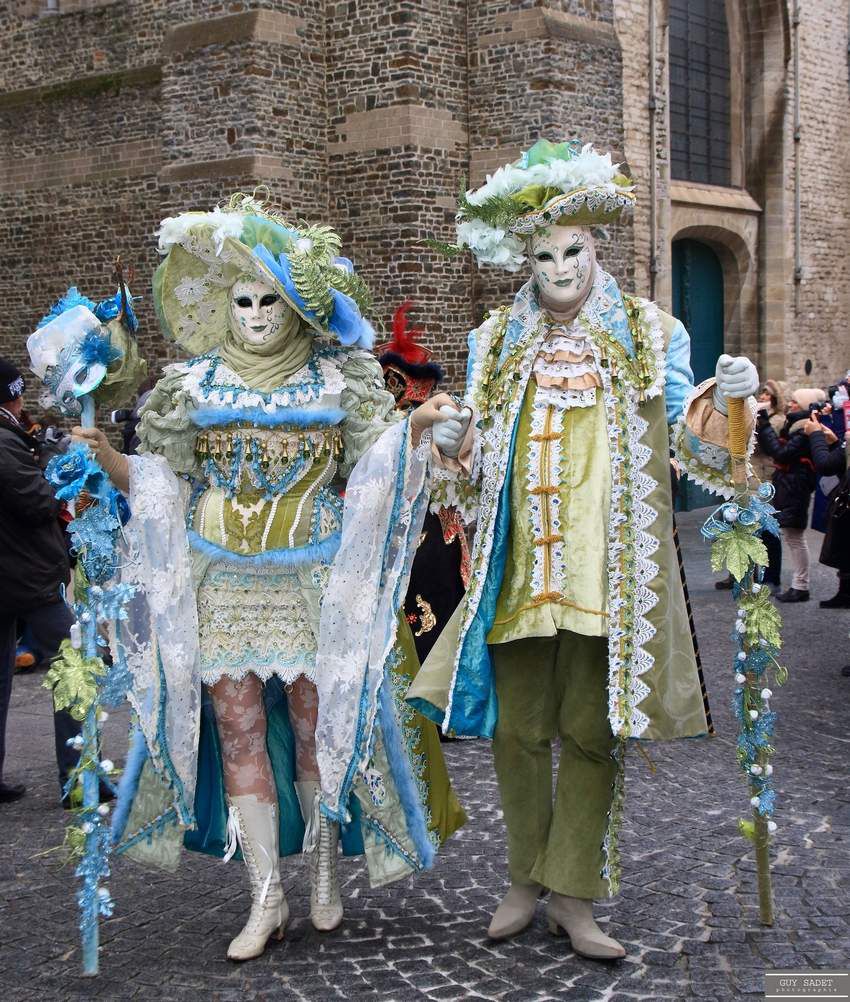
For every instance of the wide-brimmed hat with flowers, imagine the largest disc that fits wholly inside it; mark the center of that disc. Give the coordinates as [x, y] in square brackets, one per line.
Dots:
[206, 252]
[551, 182]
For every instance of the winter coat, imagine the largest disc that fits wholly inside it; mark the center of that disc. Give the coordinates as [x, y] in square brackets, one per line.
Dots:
[33, 553]
[799, 460]
[835, 551]
[762, 463]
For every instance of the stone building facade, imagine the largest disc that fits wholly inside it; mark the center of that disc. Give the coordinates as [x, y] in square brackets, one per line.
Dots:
[370, 113]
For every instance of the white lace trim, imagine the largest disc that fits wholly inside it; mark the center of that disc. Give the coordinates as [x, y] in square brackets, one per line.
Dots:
[650, 321]
[287, 675]
[623, 706]
[566, 399]
[228, 389]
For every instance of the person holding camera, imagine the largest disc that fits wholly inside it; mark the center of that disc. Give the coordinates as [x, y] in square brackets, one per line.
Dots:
[802, 451]
[34, 565]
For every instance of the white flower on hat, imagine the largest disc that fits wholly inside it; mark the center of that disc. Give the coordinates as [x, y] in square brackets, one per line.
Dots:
[175, 229]
[491, 245]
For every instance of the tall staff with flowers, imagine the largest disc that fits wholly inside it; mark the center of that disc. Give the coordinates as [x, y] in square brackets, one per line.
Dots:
[85, 354]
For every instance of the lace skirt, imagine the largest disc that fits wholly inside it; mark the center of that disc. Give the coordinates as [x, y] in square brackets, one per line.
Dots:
[261, 620]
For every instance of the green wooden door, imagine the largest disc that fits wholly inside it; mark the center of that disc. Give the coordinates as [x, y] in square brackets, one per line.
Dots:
[698, 303]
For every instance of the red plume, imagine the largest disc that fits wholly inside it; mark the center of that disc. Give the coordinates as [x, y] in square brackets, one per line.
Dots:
[403, 342]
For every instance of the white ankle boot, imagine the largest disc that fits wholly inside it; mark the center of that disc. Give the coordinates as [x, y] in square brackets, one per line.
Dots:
[575, 917]
[321, 845]
[253, 824]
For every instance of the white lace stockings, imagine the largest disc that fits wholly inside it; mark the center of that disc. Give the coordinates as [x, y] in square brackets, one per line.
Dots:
[241, 719]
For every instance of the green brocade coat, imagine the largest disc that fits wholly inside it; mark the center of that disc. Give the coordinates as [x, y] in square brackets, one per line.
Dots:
[642, 356]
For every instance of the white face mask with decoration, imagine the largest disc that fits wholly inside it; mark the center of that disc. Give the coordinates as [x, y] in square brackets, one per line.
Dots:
[258, 316]
[563, 261]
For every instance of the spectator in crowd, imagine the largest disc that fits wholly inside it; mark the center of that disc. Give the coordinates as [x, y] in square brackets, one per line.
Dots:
[835, 551]
[772, 401]
[34, 564]
[799, 455]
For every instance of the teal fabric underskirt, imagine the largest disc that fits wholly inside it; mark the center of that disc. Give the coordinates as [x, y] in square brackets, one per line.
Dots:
[210, 835]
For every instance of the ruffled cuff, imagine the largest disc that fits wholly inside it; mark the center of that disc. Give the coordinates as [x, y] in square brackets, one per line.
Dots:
[701, 441]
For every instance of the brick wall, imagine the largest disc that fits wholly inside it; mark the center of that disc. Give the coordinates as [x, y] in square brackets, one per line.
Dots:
[552, 70]
[818, 325]
[369, 114]
[397, 149]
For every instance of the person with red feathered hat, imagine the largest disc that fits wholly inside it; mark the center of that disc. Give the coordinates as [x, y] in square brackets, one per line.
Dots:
[440, 571]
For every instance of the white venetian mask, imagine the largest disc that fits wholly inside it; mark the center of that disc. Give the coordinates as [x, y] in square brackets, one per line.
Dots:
[258, 315]
[563, 260]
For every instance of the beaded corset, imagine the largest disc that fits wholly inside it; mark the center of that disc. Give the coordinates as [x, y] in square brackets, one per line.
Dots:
[268, 488]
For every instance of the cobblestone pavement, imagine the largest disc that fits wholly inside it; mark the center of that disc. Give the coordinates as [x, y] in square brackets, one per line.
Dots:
[687, 911]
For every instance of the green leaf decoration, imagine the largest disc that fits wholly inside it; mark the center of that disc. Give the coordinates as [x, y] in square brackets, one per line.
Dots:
[326, 242]
[310, 281]
[352, 285]
[763, 621]
[500, 211]
[747, 829]
[736, 551]
[441, 247]
[73, 679]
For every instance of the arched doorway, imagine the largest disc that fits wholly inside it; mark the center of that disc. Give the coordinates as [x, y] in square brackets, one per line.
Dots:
[698, 302]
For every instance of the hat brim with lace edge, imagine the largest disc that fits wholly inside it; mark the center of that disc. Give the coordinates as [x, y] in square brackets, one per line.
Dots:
[550, 184]
[207, 252]
[584, 207]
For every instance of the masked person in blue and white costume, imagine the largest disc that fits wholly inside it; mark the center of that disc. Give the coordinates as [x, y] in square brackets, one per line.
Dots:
[236, 515]
[574, 622]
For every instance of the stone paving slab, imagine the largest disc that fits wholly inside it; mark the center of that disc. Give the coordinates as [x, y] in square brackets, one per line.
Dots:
[688, 911]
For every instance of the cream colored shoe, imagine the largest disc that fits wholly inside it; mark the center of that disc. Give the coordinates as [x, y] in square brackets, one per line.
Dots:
[515, 911]
[252, 825]
[575, 917]
[321, 849]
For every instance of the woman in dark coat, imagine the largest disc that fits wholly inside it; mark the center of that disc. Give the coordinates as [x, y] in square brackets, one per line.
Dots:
[835, 551]
[801, 452]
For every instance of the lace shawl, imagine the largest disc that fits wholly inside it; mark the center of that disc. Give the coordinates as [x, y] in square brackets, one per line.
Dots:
[160, 636]
[385, 506]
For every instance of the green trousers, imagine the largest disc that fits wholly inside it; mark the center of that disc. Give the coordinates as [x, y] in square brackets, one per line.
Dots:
[548, 686]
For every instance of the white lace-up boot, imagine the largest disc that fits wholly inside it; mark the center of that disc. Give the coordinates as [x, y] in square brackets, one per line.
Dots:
[321, 848]
[253, 826]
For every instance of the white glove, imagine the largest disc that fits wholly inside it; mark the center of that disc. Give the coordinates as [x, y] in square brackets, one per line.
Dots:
[736, 377]
[449, 430]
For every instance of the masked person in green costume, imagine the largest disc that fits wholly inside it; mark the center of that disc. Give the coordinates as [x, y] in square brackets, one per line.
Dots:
[236, 516]
[574, 623]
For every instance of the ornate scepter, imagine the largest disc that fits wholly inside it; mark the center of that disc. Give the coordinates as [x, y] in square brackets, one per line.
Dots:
[86, 353]
[734, 529]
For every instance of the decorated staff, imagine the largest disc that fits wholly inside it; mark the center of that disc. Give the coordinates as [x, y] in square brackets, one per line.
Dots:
[734, 528]
[85, 354]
